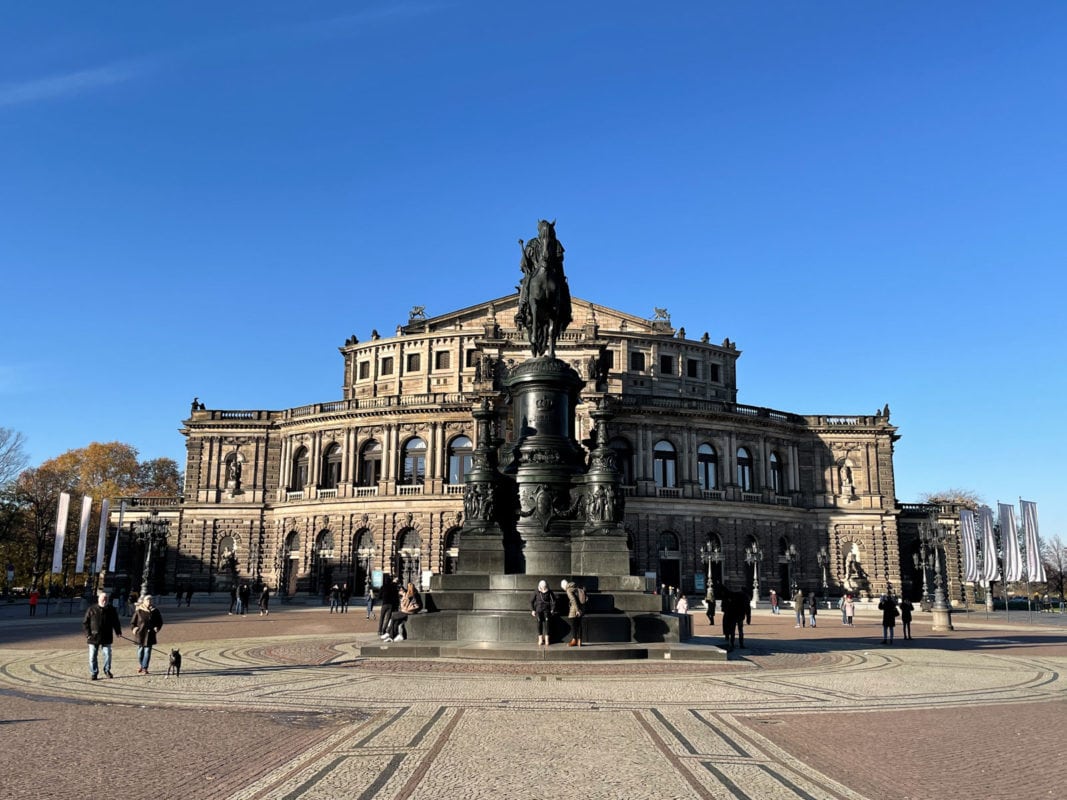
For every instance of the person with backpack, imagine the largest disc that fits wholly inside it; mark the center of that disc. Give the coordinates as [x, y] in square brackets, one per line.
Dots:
[576, 598]
[542, 606]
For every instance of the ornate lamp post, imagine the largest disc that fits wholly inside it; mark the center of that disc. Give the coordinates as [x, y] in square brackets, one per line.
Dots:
[752, 556]
[922, 562]
[933, 536]
[710, 554]
[824, 559]
[151, 533]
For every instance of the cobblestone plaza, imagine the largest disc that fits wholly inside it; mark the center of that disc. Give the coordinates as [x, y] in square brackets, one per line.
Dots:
[285, 706]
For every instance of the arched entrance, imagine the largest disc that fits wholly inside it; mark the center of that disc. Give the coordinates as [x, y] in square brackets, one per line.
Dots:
[450, 560]
[670, 560]
[322, 563]
[365, 551]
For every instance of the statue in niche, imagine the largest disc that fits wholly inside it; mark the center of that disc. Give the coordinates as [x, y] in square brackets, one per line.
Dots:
[847, 487]
[233, 474]
[544, 297]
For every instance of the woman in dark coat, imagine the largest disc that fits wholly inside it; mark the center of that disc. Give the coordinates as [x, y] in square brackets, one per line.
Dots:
[905, 617]
[542, 606]
[145, 625]
[888, 606]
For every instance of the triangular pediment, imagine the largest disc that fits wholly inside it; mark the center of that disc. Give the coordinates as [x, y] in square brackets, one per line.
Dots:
[503, 309]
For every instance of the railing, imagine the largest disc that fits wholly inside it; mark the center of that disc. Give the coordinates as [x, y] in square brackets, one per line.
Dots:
[297, 495]
[664, 491]
[455, 488]
[751, 497]
[629, 491]
[327, 494]
[435, 399]
[366, 491]
[717, 406]
[408, 490]
[783, 501]
[713, 494]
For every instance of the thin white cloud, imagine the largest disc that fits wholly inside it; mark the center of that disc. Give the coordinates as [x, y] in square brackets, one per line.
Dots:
[72, 83]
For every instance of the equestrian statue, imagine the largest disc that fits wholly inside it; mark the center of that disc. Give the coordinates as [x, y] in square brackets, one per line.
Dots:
[544, 297]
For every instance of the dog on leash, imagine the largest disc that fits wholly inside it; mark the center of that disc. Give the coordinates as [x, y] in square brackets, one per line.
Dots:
[175, 664]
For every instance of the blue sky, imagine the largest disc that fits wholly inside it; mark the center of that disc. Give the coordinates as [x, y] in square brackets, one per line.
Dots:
[869, 198]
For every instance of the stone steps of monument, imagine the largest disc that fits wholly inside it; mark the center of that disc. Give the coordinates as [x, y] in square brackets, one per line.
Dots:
[503, 582]
[557, 651]
[519, 600]
[520, 626]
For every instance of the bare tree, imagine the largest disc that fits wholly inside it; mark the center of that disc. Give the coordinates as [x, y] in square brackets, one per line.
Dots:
[13, 458]
[965, 498]
[1054, 556]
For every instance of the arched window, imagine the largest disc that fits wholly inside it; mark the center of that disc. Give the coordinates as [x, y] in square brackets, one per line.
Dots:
[370, 463]
[413, 462]
[664, 461]
[744, 470]
[707, 467]
[460, 452]
[668, 540]
[331, 466]
[300, 470]
[624, 456]
[776, 473]
[409, 557]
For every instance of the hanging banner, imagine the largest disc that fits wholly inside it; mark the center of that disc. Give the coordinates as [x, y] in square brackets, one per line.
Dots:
[990, 571]
[61, 532]
[101, 540]
[970, 545]
[83, 533]
[118, 534]
[1009, 542]
[1035, 567]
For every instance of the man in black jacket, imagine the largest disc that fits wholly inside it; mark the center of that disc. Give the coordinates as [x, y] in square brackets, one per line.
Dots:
[101, 626]
[390, 601]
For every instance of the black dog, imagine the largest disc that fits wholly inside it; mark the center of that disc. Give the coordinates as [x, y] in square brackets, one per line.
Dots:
[175, 664]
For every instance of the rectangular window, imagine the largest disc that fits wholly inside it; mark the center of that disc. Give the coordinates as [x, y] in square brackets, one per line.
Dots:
[414, 362]
[609, 359]
[666, 365]
[387, 365]
[472, 358]
[442, 359]
[637, 362]
[714, 376]
[692, 368]
[364, 370]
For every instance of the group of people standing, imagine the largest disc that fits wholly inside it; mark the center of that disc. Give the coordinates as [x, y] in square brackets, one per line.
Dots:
[102, 625]
[543, 608]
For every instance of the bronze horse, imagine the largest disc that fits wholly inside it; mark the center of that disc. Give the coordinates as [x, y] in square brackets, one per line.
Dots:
[544, 297]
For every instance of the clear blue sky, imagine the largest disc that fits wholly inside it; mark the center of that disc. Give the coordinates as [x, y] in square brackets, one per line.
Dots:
[869, 198]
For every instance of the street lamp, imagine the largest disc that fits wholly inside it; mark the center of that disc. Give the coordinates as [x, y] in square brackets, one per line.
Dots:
[933, 536]
[791, 558]
[922, 562]
[824, 559]
[710, 554]
[151, 533]
[753, 556]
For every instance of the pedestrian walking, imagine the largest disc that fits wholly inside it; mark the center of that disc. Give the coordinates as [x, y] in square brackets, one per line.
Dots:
[101, 624]
[335, 599]
[244, 595]
[774, 602]
[543, 606]
[813, 607]
[798, 606]
[188, 596]
[368, 597]
[34, 597]
[888, 606]
[735, 607]
[264, 601]
[145, 625]
[848, 608]
[233, 599]
[390, 600]
[575, 609]
[905, 617]
[709, 606]
[346, 595]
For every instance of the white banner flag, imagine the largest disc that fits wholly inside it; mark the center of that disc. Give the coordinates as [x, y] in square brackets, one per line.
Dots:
[1035, 567]
[1009, 541]
[83, 533]
[990, 571]
[118, 533]
[969, 544]
[101, 540]
[61, 532]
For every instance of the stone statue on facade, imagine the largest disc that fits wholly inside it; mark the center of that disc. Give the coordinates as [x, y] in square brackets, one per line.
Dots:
[544, 297]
